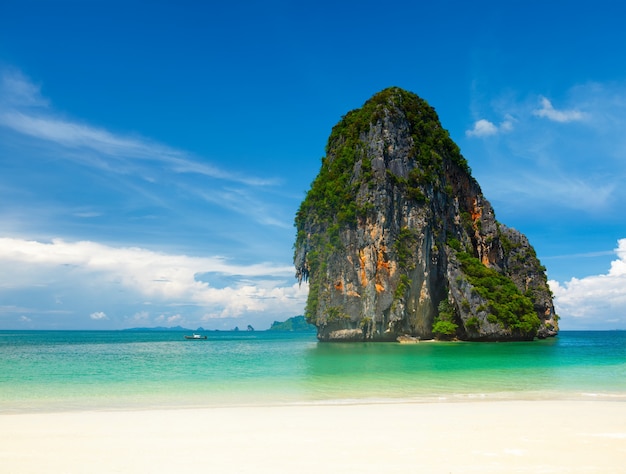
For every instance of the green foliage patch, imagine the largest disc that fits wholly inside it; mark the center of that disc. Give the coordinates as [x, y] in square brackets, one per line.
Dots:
[444, 326]
[404, 248]
[505, 302]
[444, 329]
[335, 314]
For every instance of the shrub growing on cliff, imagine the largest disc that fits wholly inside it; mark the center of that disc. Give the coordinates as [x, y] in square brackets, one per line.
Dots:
[455, 244]
[444, 326]
[505, 302]
[444, 329]
[472, 323]
[404, 247]
[335, 314]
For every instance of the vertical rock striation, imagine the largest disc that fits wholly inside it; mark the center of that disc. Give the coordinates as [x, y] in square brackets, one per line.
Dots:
[395, 238]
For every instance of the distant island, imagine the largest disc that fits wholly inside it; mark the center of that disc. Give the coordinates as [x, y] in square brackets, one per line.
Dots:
[182, 329]
[163, 329]
[294, 324]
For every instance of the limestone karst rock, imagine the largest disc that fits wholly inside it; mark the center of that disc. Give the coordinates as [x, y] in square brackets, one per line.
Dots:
[396, 238]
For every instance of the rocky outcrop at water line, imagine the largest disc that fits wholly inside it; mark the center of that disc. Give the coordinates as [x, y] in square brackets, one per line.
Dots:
[396, 238]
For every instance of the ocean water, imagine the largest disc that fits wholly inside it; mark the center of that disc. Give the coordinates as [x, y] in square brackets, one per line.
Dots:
[84, 370]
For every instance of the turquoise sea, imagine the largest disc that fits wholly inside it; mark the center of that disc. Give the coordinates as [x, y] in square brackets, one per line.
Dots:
[84, 370]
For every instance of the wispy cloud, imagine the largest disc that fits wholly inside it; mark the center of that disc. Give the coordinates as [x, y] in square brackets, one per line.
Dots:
[241, 201]
[557, 189]
[75, 136]
[16, 90]
[549, 112]
[24, 110]
[580, 255]
[144, 173]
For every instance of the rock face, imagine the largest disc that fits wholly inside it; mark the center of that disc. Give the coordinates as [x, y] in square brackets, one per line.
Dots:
[396, 238]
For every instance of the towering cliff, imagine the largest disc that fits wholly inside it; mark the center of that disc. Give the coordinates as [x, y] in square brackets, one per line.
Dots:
[396, 238]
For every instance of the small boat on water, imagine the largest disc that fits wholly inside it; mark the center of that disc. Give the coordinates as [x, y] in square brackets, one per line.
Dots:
[195, 336]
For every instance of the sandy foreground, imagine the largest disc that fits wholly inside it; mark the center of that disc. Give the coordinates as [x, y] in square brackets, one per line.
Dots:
[493, 436]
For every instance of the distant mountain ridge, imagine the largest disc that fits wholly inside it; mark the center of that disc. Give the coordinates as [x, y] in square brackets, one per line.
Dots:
[163, 329]
[294, 324]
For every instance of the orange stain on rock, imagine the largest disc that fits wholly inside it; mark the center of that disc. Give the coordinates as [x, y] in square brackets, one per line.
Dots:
[362, 262]
[477, 211]
[381, 263]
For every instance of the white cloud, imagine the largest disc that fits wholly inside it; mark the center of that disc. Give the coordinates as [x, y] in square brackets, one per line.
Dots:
[482, 128]
[485, 128]
[99, 315]
[174, 319]
[158, 277]
[594, 301]
[549, 112]
[142, 317]
[557, 189]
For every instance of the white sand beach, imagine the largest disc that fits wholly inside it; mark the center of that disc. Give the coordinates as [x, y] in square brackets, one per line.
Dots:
[450, 437]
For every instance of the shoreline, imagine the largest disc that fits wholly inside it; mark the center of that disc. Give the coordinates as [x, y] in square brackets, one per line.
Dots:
[80, 405]
[460, 436]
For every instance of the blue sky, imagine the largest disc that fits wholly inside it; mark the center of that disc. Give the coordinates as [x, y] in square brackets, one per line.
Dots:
[154, 154]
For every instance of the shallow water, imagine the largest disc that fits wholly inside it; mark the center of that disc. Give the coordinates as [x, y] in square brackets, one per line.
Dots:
[68, 370]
